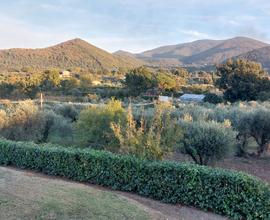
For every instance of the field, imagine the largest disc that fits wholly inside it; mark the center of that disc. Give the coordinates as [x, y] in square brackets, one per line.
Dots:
[36, 196]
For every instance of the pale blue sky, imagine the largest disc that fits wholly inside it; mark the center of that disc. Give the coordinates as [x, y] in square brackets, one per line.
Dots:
[133, 25]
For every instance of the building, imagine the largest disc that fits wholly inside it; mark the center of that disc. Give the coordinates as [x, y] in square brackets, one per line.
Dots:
[192, 98]
[65, 74]
[165, 99]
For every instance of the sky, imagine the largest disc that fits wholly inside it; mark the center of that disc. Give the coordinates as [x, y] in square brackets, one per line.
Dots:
[131, 25]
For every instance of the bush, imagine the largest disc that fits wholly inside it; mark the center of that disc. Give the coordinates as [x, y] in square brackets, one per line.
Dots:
[148, 140]
[25, 122]
[3, 119]
[68, 111]
[207, 142]
[213, 98]
[235, 194]
[93, 126]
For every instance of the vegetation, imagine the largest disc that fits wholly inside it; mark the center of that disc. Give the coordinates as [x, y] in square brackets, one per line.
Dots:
[257, 126]
[242, 80]
[207, 142]
[237, 195]
[213, 98]
[142, 79]
[71, 54]
[93, 125]
[148, 140]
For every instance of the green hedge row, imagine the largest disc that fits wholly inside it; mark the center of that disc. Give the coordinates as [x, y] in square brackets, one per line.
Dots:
[237, 195]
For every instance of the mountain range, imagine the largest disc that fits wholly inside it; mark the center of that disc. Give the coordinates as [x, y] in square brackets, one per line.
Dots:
[79, 53]
[203, 52]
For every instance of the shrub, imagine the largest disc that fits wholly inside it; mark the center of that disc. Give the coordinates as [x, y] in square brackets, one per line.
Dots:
[206, 142]
[93, 125]
[25, 122]
[213, 98]
[21, 123]
[148, 140]
[68, 111]
[3, 118]
[235, 194]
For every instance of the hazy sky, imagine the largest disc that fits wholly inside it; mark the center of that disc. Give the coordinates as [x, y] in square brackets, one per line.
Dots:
[133, 25]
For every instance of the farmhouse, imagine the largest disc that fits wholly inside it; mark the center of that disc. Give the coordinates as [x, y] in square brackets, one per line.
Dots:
[192, 98]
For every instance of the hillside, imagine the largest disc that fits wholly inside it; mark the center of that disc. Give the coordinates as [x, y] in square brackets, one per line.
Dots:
[226, 49]
[261, 55]
[201, 52]
[70, 54]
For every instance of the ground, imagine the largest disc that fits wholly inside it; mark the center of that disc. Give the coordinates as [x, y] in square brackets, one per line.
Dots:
[259, 167]
[26, 195]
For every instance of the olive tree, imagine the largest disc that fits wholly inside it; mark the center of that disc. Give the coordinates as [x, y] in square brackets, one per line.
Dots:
[206, 142]
[257, 125]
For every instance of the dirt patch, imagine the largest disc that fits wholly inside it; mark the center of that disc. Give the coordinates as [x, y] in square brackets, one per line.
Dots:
[259, 167]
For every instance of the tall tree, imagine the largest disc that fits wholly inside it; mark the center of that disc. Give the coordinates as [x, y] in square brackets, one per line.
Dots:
[241, 79]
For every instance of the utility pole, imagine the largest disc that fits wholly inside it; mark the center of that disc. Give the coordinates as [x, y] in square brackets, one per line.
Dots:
[41, 100]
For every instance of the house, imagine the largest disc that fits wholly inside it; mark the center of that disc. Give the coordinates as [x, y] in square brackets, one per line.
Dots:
[165, 99]
[65, 74]
[192, 98]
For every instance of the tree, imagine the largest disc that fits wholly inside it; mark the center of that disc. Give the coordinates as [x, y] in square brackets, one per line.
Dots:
[140, 80]
[256, 125]
[241, 80]
[206, 142]
[51, 78]
[165, 81]
[213, 98]
[93, 125]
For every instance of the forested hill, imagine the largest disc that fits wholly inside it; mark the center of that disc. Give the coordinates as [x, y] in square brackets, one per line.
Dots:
[70, 54]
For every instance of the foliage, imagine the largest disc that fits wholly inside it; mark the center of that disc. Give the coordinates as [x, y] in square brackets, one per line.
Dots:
[25, 122]
[68, 111]
[148, 140]
[235, 194]
[140, 80]
[256, 125]
[206, 142]
[213, 98]
[93, 125]
[241, 80]
[52, 78]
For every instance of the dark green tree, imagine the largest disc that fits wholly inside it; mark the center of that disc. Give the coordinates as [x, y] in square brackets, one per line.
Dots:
[241, 80]
[140, 80]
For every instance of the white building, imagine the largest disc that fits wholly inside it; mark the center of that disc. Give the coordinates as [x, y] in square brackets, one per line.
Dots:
[165, 99]
[192, 98]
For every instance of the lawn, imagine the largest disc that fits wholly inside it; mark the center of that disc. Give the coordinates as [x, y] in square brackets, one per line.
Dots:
[25, 196]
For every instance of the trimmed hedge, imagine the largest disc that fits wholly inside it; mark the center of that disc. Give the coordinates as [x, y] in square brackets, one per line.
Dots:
[235, 194]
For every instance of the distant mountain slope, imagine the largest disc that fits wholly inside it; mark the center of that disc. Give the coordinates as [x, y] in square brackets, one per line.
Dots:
[201, 52]
[226, 49]
[180, 50]
[70, 54]
[261, 55]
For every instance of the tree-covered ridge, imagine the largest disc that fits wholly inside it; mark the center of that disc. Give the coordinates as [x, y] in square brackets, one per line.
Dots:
[70, 54]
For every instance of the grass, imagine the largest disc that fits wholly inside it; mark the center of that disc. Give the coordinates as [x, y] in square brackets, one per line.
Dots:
[28, 197]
